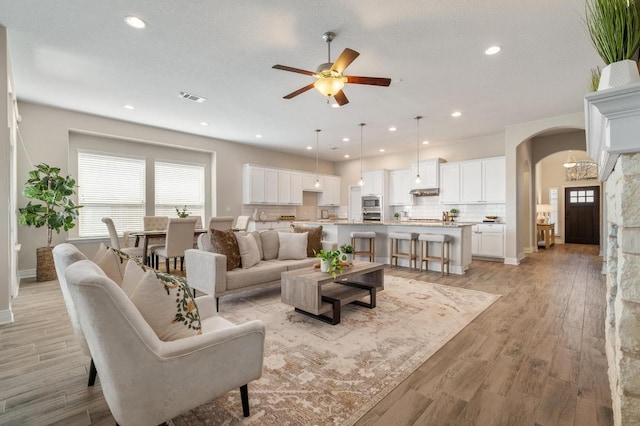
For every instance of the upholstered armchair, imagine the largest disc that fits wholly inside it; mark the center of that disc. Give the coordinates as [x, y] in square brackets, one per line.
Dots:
[147, 381]
[221, 223]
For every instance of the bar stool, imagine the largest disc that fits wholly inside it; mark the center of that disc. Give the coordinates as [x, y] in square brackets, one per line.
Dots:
[395, 253]
[444, 240]
[369, 235]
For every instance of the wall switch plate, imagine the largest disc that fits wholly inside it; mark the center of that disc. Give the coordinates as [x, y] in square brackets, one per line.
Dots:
[228, 209]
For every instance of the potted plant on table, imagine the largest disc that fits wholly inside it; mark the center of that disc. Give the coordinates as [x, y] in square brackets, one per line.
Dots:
[56, 211]
[182, 213]
[348, 250]
[614, 28]
[331, 261]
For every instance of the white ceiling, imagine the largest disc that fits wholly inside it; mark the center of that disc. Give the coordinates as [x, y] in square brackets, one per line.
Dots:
[80, 55]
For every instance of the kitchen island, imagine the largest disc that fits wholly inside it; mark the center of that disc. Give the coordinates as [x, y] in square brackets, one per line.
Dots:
[460, 233]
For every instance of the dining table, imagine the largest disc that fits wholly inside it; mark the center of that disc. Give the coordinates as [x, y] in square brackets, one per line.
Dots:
[145, 236]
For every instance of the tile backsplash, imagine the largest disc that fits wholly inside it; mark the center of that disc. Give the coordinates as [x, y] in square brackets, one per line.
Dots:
[300, 212]
[430, 208]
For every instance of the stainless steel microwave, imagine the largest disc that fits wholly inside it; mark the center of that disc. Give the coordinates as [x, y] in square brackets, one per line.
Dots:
[371, 202]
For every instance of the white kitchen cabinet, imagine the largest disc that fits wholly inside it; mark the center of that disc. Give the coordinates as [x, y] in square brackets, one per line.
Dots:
[476, 181]
[429, 171]
[270, 186]
[289, 187]
[399, 187]
[330, 195]
[309, 182]
[375, 182]
[487, 240]
[450, 183]
[254, 185]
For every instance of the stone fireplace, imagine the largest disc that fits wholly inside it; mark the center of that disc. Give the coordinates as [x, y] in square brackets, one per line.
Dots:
[613, 139]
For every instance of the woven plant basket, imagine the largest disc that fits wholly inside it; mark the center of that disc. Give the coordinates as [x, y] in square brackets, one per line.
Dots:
[45, 269]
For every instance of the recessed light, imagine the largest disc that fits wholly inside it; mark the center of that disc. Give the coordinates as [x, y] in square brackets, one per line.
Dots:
[492, 50]
[129, 107]
[456, 114]
[135, 22]
[347, 156]
[381, 150]
[345, 139]
[258, 136]
[392, 129]
[425, 142]
[309, 148]
[204, 123]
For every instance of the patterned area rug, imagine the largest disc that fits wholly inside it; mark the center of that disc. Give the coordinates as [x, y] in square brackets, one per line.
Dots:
[319, 374]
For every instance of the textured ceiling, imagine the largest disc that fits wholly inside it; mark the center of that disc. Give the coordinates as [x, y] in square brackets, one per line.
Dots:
[80, 55]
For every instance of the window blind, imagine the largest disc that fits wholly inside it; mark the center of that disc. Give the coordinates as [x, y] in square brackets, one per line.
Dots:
[112, 186]
[179, 185]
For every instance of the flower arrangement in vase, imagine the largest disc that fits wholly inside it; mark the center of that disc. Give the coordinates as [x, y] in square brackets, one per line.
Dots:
[182, 213]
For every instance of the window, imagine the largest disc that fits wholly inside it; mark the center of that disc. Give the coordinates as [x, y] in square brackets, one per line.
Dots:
[113, 186]
[179, 185]
[582, 196]
[553, 200]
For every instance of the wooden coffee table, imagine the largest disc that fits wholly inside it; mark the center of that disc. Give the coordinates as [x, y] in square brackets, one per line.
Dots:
[316, 293]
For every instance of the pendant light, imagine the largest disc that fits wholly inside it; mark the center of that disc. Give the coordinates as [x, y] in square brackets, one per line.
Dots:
[418, 168]
[317, 184]
[361, 177]
[570, 162]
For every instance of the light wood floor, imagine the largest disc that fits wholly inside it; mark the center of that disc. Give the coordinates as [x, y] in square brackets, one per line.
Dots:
[535, 357]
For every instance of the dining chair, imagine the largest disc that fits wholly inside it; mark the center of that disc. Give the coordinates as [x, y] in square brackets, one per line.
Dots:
[198, 222]
[115, 241]
[221, 223]
[155, 223]
[180, 233]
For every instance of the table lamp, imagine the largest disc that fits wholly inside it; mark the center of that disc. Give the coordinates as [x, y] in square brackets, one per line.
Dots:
[543, 211]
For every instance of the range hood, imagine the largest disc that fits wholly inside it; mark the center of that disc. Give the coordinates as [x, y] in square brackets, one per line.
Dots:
[425, 192]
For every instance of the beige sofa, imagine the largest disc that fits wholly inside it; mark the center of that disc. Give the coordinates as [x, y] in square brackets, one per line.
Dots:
[207, 271]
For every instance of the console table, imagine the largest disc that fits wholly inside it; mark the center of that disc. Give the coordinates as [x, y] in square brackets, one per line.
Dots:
[546, 234]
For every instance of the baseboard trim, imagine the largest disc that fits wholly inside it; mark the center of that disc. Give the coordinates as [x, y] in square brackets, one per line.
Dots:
[26, 273]
[6, 316]
[511, 261]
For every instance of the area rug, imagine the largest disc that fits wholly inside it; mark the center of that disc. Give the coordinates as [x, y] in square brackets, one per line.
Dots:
[318, 374]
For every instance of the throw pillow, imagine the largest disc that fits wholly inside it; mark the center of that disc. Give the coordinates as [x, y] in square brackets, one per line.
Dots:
[166, 302]
[224, 242]
[270, 244]
[314, 242]
[112, 262]
[133, 274]
[248, 250]
[292, 246]
[256, 235]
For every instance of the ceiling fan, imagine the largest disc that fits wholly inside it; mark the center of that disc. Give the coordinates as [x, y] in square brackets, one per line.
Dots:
[329, 76]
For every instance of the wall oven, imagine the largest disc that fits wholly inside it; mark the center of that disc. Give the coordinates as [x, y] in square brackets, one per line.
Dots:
[371, 208]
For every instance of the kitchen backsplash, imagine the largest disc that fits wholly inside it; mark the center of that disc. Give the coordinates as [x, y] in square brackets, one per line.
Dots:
[430, 208]
[300, 212]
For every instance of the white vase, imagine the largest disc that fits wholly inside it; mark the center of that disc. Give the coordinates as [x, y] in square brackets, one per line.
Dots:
[324, 265]
[619, 74]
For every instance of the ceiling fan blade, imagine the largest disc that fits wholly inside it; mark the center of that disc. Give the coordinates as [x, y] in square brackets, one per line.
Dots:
[373, 81]
[299, 91]
[346, 57]
[341, 98]
[292, 69]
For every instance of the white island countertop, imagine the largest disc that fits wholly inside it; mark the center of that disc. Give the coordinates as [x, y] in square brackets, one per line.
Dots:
[422, 223]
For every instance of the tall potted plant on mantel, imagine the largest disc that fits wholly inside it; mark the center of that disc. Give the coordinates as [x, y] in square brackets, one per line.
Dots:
[56, 211]
[614, 28]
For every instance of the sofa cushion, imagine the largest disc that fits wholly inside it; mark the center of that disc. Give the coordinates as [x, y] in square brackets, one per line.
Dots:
[166, 303]
[224, 242]
[292, 246]
[249, 252]
[112, 262]
[314, 241]
[264, 272]
[270, 244]
[297, 264]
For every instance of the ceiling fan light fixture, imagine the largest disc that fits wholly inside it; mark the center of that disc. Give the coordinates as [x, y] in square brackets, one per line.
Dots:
[328, 85]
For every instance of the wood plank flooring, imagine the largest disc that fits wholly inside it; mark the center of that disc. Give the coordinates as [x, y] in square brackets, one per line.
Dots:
[535, 357]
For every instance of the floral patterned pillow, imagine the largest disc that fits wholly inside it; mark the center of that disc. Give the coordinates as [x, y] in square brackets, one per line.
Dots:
[166, 302]
[224, 242]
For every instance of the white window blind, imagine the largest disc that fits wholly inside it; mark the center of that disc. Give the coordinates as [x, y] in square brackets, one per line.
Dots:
[179, 185]
[111, 186]
[553, 200]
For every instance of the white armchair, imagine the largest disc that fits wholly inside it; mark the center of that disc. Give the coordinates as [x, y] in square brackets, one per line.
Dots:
[149, 381]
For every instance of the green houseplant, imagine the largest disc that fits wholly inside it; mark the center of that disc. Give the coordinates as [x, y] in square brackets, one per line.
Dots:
[614, 28]
[348, 250]
[331, 261]
[55, 210]
[182, 213]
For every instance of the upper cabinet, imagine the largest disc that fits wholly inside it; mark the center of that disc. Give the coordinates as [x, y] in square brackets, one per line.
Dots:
[399, 187]
[429, 171]
[309, 182]
[289, 187]
[376, 182]
[330, 195]
[473, 182]
[259, 185]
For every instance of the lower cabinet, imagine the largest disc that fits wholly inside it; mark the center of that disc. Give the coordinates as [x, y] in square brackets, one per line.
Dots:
[487, 240]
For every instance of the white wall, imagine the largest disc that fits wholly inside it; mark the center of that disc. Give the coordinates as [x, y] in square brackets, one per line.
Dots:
[46, 130]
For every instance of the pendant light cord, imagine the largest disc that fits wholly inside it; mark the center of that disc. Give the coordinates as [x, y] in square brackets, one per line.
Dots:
[317, 161]
[418, 146]
[361, 128]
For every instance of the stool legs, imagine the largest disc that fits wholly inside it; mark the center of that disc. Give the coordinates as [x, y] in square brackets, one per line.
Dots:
[394, 252]
[372, 249]
[445, 250]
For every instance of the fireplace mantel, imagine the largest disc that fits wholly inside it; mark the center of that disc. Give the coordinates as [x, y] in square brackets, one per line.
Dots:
[612, 124]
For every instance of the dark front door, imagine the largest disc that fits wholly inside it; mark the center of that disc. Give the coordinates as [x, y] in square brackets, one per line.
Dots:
[582, 215]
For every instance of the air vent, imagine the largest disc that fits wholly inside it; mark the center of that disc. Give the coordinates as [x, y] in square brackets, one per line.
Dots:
[190, 97]
[333, 147]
